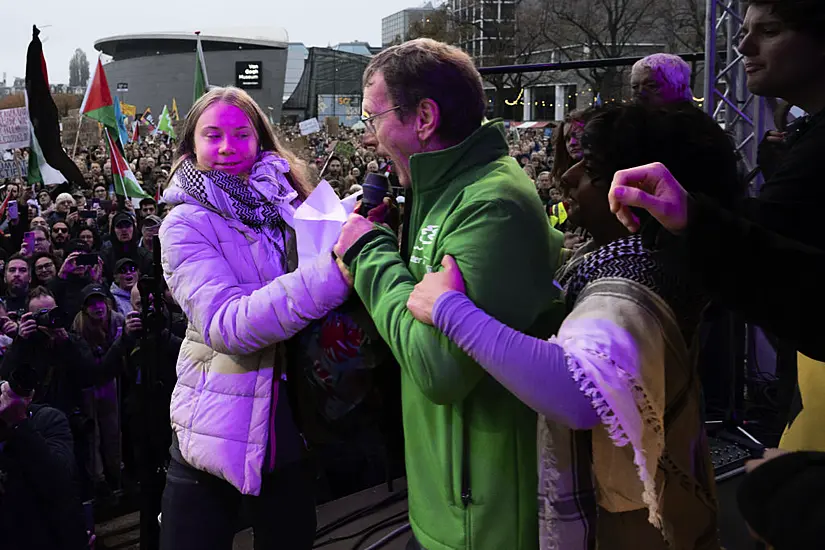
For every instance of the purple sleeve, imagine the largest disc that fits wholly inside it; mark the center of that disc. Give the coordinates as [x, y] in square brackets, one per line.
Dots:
[534, 370]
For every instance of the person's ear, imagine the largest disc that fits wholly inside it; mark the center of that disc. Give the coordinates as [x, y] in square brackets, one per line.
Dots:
[428, 118]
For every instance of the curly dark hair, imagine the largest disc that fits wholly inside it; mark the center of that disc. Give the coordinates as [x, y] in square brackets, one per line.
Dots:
[686, 140]
[802, 15]
[77, 229]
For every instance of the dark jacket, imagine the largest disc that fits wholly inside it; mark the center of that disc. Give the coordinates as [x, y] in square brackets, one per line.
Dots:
[127, 355]
[68, 293]
[12, 241]
[113, 250]
[767, 262]
[39, 506]
[15, 303]
[63, 369]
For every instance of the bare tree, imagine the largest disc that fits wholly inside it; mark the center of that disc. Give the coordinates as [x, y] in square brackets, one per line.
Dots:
[683, 27]
[509, 36]
[599, 29]
[78, 69]
[437, 25]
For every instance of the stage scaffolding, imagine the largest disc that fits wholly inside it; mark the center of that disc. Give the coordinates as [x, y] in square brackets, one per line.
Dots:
[727, 98]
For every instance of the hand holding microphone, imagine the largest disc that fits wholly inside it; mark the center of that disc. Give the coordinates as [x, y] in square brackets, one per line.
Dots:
[375, 207]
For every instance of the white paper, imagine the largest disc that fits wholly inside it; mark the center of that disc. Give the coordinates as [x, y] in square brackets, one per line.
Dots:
[318, 222]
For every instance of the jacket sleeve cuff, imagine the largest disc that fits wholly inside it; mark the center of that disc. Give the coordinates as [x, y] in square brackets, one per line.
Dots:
[359, 245]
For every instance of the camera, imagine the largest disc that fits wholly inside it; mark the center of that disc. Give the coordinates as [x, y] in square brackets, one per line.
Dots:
[16, 315]
[51, 318]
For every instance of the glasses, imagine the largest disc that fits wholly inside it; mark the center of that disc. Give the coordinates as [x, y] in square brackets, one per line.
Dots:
[127, 269]
[44, 267]
[60, 230]
[369, 120]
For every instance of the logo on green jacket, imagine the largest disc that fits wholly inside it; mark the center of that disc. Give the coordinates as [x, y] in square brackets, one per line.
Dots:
[425, 239]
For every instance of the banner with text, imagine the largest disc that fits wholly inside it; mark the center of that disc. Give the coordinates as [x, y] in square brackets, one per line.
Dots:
[14, 128]
[12, 169]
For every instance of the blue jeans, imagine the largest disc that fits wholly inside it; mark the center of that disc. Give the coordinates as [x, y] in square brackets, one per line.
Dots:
[201, 511]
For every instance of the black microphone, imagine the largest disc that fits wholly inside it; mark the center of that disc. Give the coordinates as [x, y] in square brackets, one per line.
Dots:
[375, 188]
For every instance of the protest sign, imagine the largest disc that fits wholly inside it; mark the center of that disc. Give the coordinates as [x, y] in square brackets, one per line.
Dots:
[12, 169]
[332, 125]
[309, 126]
[14, 128]
[344, 149]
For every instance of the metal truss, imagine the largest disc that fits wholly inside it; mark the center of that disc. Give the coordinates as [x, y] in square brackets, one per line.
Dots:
[744, 115]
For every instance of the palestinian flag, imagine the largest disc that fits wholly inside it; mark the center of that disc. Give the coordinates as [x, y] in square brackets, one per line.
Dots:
[98, 104]
[125, 182]
[39, 170]
[48, 162]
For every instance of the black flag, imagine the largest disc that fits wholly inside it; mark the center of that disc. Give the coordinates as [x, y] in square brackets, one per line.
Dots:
[43, 113]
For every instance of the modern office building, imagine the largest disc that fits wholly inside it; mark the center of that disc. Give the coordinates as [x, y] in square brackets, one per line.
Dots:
[486, 21]
[396, 27]
[150, 69]
[296, 58]
[330, 85]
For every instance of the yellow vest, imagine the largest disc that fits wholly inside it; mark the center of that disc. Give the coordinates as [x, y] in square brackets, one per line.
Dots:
[807, 432]
[558, 215]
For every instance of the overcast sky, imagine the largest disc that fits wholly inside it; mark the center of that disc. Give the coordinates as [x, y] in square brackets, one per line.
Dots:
[79, 24]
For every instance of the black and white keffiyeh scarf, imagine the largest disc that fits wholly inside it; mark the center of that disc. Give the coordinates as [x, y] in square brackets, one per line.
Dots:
[259, 202]
[568, 506]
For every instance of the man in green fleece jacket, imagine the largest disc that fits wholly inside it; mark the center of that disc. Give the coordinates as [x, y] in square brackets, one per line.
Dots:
[470, 444]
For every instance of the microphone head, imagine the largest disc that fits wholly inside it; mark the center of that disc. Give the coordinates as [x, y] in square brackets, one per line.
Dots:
[374, 189]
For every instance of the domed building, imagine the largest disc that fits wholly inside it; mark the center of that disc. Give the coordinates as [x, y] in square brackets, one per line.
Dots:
[150, 69]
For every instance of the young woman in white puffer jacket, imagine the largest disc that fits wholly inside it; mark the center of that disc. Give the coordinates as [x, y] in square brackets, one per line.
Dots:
[229, 259]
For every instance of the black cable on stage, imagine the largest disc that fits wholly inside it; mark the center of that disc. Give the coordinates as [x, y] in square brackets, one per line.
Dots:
[383, 523]
[389, 537]
[361, 512]
[377, 527]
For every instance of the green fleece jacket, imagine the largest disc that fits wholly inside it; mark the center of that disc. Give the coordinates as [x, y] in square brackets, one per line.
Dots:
[470, 444]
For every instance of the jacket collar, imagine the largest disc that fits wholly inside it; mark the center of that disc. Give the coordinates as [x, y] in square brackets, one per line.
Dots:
[432, 170]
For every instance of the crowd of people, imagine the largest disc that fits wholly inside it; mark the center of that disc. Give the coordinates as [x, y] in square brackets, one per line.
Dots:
[557, 280]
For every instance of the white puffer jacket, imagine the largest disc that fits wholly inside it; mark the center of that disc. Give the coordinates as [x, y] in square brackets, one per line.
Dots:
[240, 304]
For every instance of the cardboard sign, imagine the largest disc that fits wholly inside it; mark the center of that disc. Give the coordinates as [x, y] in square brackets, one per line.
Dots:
[333, 125]
[310, 126]
[14, 128]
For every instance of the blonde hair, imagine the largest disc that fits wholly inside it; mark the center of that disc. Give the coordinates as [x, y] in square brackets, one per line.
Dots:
[95, 334]
[267, 140]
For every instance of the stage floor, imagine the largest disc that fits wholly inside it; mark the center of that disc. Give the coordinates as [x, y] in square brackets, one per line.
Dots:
[122, 533]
